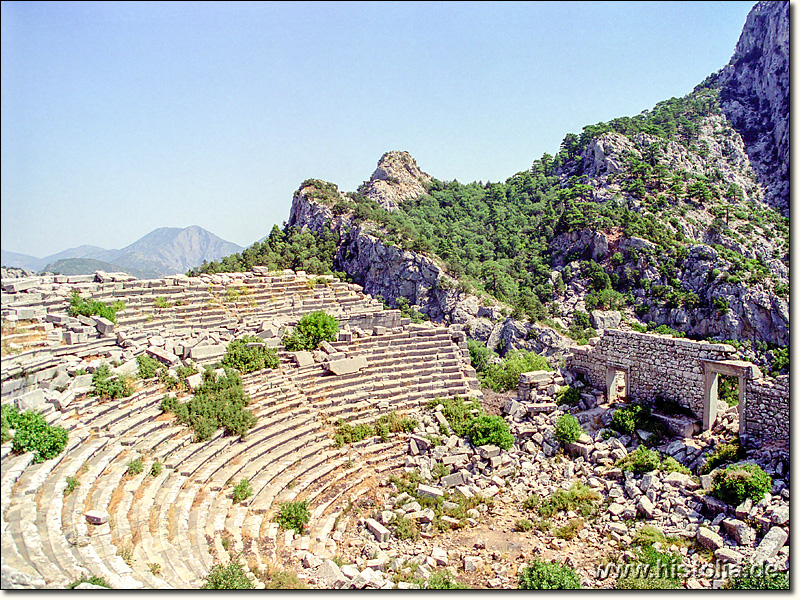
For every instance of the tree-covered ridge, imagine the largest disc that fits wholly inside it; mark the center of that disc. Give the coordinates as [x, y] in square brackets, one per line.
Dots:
[289, 248]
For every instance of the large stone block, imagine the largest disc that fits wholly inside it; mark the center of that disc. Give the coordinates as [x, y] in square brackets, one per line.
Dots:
[769, 546]
[347, 365]
[379, 531]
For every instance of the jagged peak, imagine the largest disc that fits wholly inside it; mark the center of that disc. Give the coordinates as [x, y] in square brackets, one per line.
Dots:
[397, 178]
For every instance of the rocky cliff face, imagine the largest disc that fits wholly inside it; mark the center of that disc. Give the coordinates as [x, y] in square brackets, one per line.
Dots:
[755, 96]
[397, 178]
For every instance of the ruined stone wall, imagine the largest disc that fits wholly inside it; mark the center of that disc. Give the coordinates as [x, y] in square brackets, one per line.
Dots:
[655, 365]
[673, 369]
[767, 410]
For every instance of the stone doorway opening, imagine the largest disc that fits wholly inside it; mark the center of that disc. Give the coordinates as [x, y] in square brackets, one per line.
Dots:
[724, 380]
[616, 384]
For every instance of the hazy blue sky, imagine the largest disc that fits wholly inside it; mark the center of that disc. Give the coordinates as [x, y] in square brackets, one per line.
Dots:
[118, 118]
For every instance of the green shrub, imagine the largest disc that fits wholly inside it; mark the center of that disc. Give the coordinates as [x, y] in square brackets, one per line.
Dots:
[724, 453]
[540, 575]
[523, 525]
[231, 576]
[312, 329]
[504, 376]
[283, 580]
[458, 412]
[293, 515]
[640, 461]
[405, 528]
[248, 358]
[135, 467]
[738, 482]
[87, 308]
[532, 502]
[111, 386]
[670, 465]
[443, 580]
[155, 469]
[490, 429]
[569, 530]
[568, 395]
[626, 420]
[579, 497]
[652, 570]
[242, 490]
[479, 355]
[8, 413]
[33, 434]
[72, 485]
[217, 402]
[94, 580]
[149, 367]
[757, 577]
[568, 429]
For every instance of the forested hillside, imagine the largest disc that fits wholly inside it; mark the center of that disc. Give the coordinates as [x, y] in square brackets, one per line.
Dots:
[660, 216]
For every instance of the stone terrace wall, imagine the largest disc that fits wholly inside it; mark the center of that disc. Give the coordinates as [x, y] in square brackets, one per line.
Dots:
[767, 410]
[656, 365]
[673, 369]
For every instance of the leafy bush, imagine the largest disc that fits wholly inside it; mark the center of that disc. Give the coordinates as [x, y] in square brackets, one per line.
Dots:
[540, 575]
[8, 414]
[443, 580]
[135, 467]
[383, 425]
[655, 571]
[757, 577]
[569, 530]
[33, 434]
[94, 580]
[568, 429]
[738, 482]
[458, 412]
[568, 395]
[504, 376]
[724, 453]
[523, 525]
[111, 386]
[217, 402]
[242, 490]
[293, 515]
[72, 485]
[479, 355]
[640, 461]
[248, 358]
[87, 308]
[149, 367]
[231, 576]
[670, 465]
[490, 429]
[625, 420]
[155, 469]
[579, 497]
[405, 528]
[312, 329]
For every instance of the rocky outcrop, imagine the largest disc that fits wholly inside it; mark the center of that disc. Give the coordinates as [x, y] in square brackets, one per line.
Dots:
[391, 272]
[397, 178]
[755, 96]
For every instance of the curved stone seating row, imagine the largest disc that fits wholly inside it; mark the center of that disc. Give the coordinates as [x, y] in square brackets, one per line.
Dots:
[168, 530]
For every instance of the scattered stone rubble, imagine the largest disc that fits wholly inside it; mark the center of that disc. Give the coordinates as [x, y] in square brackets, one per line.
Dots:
[675, 503]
